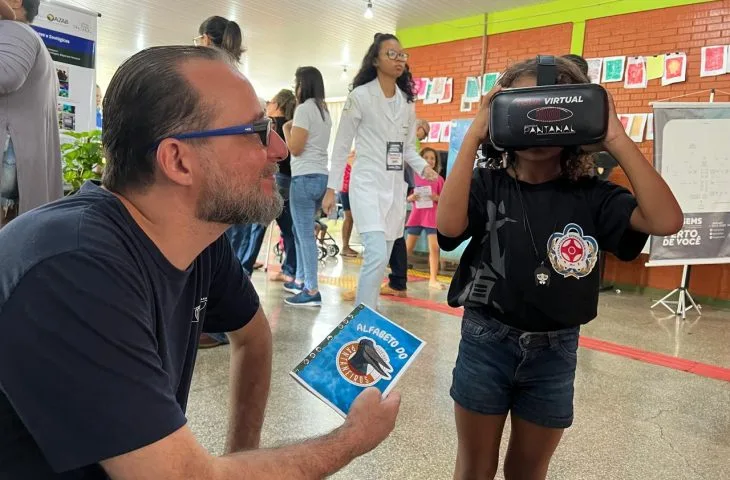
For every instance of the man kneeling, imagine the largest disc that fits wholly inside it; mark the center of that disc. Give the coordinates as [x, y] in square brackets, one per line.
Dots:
[104, 294]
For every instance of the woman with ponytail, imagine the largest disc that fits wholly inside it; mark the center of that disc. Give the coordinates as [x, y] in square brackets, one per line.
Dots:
[307, 137]
[222, 33]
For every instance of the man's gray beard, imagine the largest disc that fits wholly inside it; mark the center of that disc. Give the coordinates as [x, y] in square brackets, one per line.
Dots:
[222, 205]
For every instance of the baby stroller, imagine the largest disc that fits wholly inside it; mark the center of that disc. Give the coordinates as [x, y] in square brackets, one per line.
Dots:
[327, 245]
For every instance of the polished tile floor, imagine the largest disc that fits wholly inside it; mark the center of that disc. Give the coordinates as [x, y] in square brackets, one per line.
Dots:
[634, 419]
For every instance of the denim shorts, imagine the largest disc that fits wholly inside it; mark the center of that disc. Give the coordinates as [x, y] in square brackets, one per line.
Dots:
[500, 368]
[417, 230]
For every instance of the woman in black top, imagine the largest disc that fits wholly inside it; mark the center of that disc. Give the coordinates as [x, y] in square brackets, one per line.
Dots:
[528, 278]
[281, 110]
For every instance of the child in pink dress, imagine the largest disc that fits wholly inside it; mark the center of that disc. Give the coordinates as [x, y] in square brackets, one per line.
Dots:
[423, 215]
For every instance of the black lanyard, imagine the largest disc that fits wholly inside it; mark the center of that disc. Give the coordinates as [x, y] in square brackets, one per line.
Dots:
[542, 273]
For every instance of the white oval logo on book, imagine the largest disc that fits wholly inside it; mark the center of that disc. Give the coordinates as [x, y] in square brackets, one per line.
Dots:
[363, 362]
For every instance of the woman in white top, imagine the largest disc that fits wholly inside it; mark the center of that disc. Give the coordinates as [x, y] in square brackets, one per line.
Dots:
[380, 116]
[307, 136]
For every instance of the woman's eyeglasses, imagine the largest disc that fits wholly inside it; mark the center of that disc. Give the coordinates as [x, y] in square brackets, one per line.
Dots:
[261, 127]
[395, 55]
[197, 41]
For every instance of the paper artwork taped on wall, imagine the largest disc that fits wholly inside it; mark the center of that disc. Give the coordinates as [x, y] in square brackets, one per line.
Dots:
[472, 92]
[465, 105]
[430, 97]
[594, 69]
[448, 94]
[488, 81]
[675, 68]
[635, 73]
[654, 67]
[613, 69]
[420, 85]
[714, 61]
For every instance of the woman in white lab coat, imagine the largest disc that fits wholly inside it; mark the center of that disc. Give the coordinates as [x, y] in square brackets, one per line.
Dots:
[380, 116]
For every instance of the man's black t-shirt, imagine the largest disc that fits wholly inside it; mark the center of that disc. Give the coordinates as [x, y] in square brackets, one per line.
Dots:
[570, 222]
[99, 334]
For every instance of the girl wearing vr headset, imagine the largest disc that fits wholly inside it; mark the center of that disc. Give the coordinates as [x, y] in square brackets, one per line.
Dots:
[529, 277]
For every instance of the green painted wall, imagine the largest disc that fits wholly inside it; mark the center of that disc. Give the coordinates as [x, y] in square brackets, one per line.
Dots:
[578, 38]
[549, 13]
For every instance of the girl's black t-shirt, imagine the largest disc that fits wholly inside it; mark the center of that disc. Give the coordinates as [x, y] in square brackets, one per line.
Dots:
[570, 222]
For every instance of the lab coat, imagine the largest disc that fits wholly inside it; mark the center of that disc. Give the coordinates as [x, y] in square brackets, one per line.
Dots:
[377, 195]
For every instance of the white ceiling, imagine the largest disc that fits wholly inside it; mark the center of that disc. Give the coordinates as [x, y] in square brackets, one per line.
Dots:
[280, 35]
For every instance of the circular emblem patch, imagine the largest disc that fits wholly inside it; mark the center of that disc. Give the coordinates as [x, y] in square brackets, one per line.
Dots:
[571, 253]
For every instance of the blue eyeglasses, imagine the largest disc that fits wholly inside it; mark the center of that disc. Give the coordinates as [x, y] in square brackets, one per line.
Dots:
[261, 127]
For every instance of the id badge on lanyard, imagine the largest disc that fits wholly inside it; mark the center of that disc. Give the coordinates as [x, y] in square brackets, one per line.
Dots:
[394, 156]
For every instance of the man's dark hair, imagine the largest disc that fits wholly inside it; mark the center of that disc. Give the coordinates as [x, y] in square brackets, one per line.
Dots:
[31, 9]
[578, 61]
[149, 99]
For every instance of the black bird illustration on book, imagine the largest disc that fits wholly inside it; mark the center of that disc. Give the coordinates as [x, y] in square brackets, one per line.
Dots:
[365, 355]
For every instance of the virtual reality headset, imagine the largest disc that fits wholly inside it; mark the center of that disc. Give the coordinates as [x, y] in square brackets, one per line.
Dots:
[548, 115]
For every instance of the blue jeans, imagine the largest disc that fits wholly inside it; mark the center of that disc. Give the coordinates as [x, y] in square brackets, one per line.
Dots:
[306, 195]
[375, 261]
[246, 241]
[286, 225]
[500, 368]
[219, 337]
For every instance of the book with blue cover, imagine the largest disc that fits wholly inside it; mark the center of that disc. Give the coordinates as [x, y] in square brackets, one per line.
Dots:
[365, 350]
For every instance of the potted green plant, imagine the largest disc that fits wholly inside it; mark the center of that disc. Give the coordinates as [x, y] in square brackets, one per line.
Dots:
[83, 158]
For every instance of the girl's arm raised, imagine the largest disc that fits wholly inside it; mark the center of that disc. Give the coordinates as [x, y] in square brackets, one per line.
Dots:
[453, 203]
[658, 212]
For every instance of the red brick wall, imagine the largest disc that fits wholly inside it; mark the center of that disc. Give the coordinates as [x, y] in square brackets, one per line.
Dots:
[686, 29]
[463, 58]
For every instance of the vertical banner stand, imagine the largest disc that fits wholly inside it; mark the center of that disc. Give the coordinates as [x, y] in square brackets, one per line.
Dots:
[683, 289]
[683, 295]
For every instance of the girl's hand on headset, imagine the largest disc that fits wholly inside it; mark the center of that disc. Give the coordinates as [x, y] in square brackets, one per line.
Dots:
[614, 132]
[480, 126]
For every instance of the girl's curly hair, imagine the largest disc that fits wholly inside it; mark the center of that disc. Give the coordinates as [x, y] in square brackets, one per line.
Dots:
[573, 161]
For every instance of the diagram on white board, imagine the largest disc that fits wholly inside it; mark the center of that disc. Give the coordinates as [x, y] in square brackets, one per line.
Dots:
[700, 180]
[691, 155]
